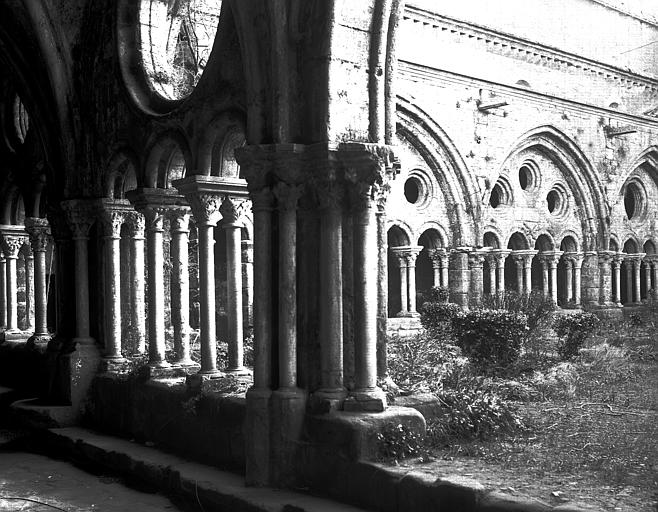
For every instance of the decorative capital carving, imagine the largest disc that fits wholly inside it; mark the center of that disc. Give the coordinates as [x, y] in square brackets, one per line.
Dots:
[38, 230]
[288, 195]
[11, 245]
[206, 207]
[80, 220]
[232, 209]
[112, 221]
[154, 217]
[179, 218]
[137, 224]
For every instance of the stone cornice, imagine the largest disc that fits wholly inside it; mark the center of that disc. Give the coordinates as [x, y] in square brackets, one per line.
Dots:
[507, 44]
[418, 71]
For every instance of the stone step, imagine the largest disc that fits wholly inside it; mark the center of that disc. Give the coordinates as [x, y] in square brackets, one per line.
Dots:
[32, 413]
[212, 488]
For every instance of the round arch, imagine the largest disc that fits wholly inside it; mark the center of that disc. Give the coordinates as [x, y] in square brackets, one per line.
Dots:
[399, 234]
[215, 150]
[120, 174]
[168, 158]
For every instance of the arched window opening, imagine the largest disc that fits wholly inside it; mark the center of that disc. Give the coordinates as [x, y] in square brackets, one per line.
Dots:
[21, 119]
[412, 190]
[634, 201]
[491, 240]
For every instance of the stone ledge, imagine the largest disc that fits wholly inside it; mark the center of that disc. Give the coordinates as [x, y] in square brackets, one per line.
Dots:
[212, 488]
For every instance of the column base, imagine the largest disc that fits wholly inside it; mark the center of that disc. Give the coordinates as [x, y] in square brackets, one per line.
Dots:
[257, 429]
[39, 339]
[115, 365]
[328, 400]
[366, 400]
[402, 314]
[159, 364]
[187, 363]
[239, 372]
[13, 335]
[220, 383]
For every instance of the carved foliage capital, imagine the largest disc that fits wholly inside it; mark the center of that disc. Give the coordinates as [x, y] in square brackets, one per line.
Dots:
[154, 217]
[11, 245]
[179, 218]
[38, 230]
[137, 224]
[232, 209]
[80, 221]
[288, 195]
[112, 221]
[205, 207]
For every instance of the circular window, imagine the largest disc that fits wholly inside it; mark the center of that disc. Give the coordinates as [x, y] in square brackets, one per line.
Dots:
[556, 201]
[634, 201]
[176, 40]
[412, 190]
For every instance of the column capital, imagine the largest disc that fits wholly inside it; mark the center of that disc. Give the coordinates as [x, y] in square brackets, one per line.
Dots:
[605, 257]
[232, 210]
[288, 195]
[12, 240]
[38, 230]
[205, 194]
[137, 224]
[112, 220]
[576, 258]
[476, 257]
[80, 216]
[179, 217]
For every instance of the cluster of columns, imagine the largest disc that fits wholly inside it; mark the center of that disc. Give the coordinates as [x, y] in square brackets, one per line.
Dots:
[610, 272]
[32, 240]
[141, 281]
[406, 259]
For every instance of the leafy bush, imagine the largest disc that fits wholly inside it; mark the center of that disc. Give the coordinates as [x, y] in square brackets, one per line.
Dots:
[436, 316]
[535, 306]
[573, 330]
[438, 294]
[396, 442]
[420, 360]
[490, 338]
[472, 413]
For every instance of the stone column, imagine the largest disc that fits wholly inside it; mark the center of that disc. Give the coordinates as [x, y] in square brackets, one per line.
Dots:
[629, 280]
[287, 196]
[553, 274]
[179, 218]
[492, 262]
[569, 273]
[577, 266]
[38, 229]
[647, 277]
[231, 211]
[476, 263]
[154, 216]
[501, 256]
[637, 298]
[332, 391]
[11, 245]
[29, 286]
[248, 282]
[605, 278]
[112, 221]
[404, 288]
[460, 276]
[436, 267]
[80, 221]
[3, 291]
[367, 396]
[544, 276]
[655, 278]
[527, 272]
[519, 261]
[616, 262]
[443, 254]
[137, 225]
[410, 257]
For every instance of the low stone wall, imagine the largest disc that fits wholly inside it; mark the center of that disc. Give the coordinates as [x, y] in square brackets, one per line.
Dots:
[24, 368]
[206, 427]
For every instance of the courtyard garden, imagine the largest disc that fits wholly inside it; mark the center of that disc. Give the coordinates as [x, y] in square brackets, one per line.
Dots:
[529, 401]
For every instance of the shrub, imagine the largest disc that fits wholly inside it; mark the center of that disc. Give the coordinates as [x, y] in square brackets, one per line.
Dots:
[420, 360]
[490, 338]
[436, 316]
[573, 330]
[472, 413]
[396, 442]
[438, 294]
[535, 306]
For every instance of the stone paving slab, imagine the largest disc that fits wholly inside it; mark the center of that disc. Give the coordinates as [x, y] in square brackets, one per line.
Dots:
[216, 489]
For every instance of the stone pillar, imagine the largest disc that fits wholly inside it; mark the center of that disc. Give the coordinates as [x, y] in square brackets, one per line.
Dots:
[112, 221]
[248, 282]
[80, 222]
[179, 218]
[137, 225]
[443, 254]
[553, 274]
[655, 278]
[367, 396]
[29, 286]
[647, 277]
[569, 273]
[476, 263]
[436, 267]
[3, 291]
[577, 285]
[501, 256]
[637, 262]
[332, 392]
[11, 245]
[544, 276]
[527, 271]
[616, 262]
[287, 196]
[38, 229]
[629, 280]
[154, 216]
[404, 287]
[231, 211]
[460, 276]
[605, 278]
[519, 261]
[410, 256]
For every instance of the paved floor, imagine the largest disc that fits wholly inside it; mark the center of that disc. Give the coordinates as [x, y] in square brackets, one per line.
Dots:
[57, 485]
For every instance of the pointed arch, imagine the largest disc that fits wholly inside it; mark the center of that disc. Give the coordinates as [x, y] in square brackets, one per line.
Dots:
[443, 158]
[120, 173]
[647, 160]
[582, 178]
